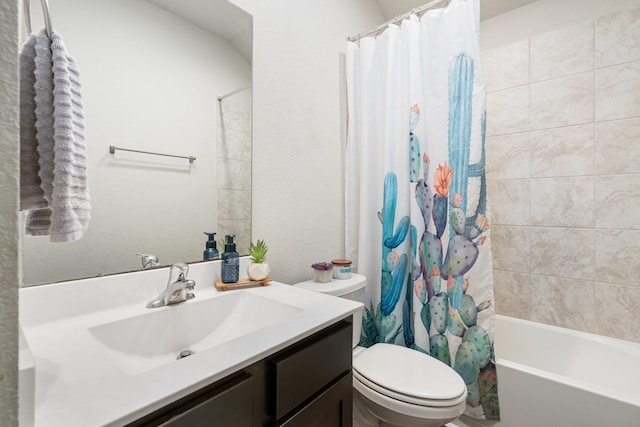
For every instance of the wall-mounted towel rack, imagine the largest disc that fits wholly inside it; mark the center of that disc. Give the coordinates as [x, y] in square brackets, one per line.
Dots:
[45, 12]
[113, 148]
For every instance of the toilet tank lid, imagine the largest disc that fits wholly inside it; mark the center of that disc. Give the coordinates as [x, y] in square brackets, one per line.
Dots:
[336, 287]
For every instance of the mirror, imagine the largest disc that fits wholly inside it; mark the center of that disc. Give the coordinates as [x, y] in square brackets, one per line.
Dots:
[151, 73]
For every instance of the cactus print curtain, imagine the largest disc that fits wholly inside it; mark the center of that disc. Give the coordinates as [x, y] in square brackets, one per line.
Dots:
[417, 216]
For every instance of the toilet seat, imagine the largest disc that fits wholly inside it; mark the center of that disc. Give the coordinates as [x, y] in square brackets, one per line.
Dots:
[408, 376]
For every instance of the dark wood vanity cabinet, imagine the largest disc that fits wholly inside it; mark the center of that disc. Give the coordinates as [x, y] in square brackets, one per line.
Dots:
[308, 384]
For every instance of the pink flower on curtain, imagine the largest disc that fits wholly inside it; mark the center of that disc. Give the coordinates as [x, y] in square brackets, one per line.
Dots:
[442, 179]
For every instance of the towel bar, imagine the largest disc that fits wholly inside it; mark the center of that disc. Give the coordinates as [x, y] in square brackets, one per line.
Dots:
[113, 148]
[45, 12]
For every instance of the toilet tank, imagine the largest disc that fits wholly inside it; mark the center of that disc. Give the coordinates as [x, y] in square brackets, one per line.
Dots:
[352, 289]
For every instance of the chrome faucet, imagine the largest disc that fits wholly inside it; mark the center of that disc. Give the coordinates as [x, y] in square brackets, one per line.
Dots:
[148, 260]
[177, 288]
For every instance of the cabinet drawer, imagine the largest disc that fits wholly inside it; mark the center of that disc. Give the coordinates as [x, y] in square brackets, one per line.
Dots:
[226, 404]
[308, 368]
[333, 408]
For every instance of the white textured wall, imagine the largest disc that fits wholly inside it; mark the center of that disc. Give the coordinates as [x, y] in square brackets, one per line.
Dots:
[9, 246]
[150, 82]
[297, 156]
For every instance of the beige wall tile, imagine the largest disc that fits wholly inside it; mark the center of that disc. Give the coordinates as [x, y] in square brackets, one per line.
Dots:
[563, 302]
[507, 66]
[562, 52]
[510, 248]
[562, 202]
[566, 151]
[242, 230]
[564, 101]
[234, 204]
[617, 90]
[234, 174]
[617, 311]
[508, 111]
[509, 201]
[508, 156]
[618, 201]
[562, 252]
[234, 144]
[512, 293]
[617, 147]
[618, 256]
[618, 38]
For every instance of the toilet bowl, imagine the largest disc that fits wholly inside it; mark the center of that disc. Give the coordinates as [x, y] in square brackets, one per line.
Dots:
[395, 385]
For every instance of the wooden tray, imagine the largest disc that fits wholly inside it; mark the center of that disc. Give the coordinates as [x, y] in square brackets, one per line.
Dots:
[245, 283]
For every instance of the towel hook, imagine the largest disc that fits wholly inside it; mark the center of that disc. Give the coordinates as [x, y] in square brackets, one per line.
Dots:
[45, 12]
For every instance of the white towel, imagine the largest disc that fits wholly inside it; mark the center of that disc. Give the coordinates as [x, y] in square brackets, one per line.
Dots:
[61, 145]
[31, 194]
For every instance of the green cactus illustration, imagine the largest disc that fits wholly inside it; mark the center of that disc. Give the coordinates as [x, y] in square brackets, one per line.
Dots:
[439, 348]
[488, 391]
[473, 394]
[377, 327]
[439, 308]
[369, 334]
[407, 315]
[468, 311]
[479, 338]
[467, 362]
[414, 144]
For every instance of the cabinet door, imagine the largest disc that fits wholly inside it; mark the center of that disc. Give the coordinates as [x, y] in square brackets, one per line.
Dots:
[333, 408]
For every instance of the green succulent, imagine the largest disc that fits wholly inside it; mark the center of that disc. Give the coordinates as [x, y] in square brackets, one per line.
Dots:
[258, 252]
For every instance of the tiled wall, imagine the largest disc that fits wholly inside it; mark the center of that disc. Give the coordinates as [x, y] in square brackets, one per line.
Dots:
[234, 169]
[563, 165]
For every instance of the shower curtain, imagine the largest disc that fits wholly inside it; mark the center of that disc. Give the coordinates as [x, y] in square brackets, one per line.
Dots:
[417, 215]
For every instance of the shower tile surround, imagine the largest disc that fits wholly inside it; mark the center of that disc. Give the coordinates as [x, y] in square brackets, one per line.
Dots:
[563, 170]
[234, 169]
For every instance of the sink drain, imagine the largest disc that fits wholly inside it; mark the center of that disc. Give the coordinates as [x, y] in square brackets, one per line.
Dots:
[183, 354]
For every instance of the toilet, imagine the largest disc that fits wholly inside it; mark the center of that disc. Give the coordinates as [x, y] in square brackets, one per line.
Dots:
[395, 385]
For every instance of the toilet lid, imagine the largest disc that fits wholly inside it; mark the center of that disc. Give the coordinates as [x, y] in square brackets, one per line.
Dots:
[408, 372]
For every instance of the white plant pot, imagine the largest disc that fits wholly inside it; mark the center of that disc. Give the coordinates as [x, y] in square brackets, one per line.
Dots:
[322, 276]
[258, 271]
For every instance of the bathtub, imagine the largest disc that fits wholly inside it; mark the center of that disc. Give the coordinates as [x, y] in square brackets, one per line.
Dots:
[550, 376]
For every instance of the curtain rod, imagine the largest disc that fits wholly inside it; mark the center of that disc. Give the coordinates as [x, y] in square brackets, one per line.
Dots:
[398, 19]
[233, 92]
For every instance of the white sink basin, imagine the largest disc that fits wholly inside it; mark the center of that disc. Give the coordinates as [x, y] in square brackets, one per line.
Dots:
[102, 359]
[158, 335]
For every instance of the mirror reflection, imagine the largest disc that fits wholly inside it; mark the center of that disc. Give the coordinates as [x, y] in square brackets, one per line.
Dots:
[163, 76]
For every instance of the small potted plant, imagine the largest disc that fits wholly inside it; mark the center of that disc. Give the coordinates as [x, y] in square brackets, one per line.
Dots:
[258, 269]
[322, 272]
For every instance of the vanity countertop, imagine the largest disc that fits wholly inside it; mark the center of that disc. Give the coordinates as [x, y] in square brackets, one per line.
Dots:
[78, 382]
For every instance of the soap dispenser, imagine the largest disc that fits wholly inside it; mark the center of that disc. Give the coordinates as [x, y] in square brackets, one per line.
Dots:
[230, 270]
[211, 250]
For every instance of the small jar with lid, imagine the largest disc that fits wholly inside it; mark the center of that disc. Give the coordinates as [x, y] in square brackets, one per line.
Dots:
[341, 269]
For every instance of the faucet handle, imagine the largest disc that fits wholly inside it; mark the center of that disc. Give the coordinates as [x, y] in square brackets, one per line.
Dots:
[182, 267]
[189, 284]
[148, 260]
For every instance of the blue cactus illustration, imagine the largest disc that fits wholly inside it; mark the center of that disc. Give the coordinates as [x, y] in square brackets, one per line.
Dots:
[394, 268]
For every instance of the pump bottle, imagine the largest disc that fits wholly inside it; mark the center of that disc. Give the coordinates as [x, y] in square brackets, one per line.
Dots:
[230, 270]
[211, 250]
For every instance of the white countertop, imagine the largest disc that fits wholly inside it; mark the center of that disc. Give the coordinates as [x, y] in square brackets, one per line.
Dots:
[78, 383]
